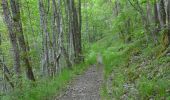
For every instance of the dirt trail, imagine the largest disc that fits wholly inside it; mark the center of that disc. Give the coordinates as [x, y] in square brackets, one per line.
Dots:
[86, 86]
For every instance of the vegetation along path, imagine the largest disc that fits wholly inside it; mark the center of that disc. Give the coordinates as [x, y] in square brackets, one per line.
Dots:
[86, 86]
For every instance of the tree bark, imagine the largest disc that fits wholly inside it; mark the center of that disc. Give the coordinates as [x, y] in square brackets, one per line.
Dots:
[45, 36]
[13, 37]
[163, 17]
[19, 31]
[168, 14]
[162, 13]
[77, 33]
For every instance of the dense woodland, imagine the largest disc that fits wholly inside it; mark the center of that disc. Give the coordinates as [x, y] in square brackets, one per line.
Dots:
[45, 43]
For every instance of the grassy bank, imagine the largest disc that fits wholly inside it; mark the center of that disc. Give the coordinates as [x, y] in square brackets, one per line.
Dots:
[47, 88]
[135, 71]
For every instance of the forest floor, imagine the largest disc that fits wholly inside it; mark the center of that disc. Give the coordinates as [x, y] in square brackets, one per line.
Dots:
[85, 86]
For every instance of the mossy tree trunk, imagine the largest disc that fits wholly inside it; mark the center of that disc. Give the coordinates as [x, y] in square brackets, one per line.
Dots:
[15, 7]
[13, 38]
[164, 25]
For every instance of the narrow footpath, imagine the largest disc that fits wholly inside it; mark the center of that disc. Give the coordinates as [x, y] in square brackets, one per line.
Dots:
[86, 86]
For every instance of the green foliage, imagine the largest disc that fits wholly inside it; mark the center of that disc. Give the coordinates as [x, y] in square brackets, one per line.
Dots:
[152, 88]
[46, 88]
[118, 38]
[91, 57]
[116, 58]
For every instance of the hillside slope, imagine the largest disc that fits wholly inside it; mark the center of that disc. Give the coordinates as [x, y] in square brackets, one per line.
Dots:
[133, 70]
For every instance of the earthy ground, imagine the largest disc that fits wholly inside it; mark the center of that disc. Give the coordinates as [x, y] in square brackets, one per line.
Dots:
[85, 87]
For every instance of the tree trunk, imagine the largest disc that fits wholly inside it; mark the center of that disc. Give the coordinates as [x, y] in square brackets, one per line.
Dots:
[45, 36]
[162, 11]
[54, 38]
[149, 19]
[19, 31]
[77, 33]
[156, 16]
[168, 14]
[13, 38]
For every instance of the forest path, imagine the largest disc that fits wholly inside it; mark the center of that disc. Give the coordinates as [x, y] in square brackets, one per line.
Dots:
[85, 86]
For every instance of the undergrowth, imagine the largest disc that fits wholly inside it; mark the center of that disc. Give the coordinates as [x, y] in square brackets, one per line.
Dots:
[47, 88]
[133, 71]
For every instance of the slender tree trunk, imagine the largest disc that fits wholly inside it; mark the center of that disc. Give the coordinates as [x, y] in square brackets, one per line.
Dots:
[87, 23]
[13, 38]
[45, 36]
[77, 33]
[18, 26]
[54, 34]
[70, 34]
[116, 8]
[168, 14]
[156, 16]
[149, 20]
[162, 11]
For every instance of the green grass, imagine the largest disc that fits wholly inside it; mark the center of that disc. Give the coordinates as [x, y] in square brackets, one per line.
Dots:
[151, 80]
[46, 89]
